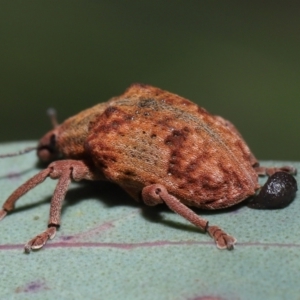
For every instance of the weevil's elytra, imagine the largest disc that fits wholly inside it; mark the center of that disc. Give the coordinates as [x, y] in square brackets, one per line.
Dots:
[181, 134]
[159, 147]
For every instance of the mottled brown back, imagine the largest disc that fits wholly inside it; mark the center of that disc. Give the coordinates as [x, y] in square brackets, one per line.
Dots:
[149, 136]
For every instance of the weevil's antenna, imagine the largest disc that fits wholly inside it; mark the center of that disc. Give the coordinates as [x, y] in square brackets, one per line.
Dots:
[26, 150]
[51, 112]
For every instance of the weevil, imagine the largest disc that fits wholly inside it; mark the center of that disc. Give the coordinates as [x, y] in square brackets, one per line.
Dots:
[157, 146]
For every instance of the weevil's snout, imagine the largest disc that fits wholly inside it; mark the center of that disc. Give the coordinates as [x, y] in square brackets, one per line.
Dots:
[47, 149]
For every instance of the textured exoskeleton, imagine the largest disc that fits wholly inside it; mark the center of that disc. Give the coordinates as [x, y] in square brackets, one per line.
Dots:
[160, 148]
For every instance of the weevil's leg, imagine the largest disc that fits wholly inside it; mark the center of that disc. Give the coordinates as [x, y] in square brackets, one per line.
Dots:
[263, 171]
[156, 193]
[9, 204]
[55, 210]
[3, 213]
[40, 240]
[65, 171]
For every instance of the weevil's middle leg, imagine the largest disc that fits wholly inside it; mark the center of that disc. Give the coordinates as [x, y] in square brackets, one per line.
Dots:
[156, 193]
[263, 171]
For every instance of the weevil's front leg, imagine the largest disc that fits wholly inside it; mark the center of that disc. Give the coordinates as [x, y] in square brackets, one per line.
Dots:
[156, 193]
[55, 210]
[65, 171]
[9, 204]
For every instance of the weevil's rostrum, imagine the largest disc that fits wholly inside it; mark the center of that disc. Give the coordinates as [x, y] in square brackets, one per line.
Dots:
[160, 148]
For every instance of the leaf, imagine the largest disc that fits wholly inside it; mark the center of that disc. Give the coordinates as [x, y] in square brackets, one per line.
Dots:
[111, 246]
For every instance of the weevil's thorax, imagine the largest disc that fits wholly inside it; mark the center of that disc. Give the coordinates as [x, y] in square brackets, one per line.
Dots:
[73, 132]
[47, 150]
[67, 140]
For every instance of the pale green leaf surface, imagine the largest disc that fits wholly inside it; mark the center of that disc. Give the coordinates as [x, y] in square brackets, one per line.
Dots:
[110, 247]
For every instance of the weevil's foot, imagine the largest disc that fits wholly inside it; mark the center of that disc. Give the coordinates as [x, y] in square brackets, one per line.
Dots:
[263, 171]
[288, 169]
[222, 239]
[40, 240]
[3, 213]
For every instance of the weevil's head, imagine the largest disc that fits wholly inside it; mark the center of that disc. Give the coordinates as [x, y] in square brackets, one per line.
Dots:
[47, 150]
[47, 147]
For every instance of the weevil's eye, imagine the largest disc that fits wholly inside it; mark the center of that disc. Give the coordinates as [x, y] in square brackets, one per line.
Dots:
[47, 150]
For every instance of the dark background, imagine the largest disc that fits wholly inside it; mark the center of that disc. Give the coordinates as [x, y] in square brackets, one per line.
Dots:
[237, 59]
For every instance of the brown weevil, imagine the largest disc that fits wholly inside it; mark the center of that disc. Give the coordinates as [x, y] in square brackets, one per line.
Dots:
[158, 147]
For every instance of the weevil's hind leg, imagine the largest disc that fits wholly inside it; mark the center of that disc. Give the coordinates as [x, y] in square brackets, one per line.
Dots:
[222, 239]
[156, 193]
[263, 171]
